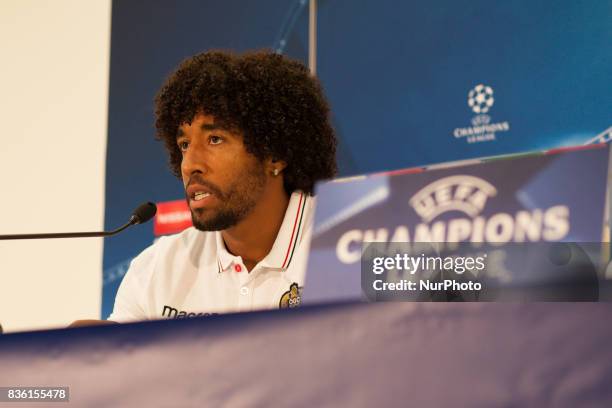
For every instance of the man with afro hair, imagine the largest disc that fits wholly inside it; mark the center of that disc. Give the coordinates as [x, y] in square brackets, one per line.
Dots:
[249, 135]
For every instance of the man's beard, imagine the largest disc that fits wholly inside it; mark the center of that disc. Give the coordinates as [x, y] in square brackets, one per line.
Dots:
[235, 203]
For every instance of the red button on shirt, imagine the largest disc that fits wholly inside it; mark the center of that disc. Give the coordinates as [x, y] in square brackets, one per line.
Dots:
[238, 268]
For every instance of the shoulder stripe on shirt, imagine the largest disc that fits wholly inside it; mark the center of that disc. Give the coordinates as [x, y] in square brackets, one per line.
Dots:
[295, 224]
[297, 235]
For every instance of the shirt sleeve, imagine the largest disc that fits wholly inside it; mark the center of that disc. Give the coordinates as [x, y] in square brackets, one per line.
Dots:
[130, 304]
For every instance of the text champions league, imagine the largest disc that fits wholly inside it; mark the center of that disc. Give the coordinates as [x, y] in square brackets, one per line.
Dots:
[466, 194]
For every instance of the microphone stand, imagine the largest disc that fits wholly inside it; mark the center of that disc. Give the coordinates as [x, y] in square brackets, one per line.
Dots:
[142, 214]
[67, 234]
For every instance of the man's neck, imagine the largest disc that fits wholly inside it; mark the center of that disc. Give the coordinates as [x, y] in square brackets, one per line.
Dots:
[253, 238]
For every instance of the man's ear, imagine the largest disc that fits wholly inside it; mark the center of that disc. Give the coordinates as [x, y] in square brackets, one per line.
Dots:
[275, 167]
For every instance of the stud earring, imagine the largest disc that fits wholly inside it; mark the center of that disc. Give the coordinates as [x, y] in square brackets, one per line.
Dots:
[276, 172]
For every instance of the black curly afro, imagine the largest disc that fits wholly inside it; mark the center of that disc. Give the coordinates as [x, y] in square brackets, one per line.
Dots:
[273, 101]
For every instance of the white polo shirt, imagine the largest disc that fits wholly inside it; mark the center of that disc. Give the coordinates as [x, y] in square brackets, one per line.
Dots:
[192, 273]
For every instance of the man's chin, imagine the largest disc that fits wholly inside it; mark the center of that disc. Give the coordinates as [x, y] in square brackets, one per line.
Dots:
[218, 223]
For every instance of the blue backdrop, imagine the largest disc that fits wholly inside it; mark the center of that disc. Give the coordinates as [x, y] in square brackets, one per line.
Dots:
[399, 76]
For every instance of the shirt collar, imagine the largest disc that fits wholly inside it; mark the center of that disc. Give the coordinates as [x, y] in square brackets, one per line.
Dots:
[224, 258]
[286, 242]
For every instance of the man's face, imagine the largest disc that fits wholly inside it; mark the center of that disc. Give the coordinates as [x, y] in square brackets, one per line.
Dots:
[223, 182]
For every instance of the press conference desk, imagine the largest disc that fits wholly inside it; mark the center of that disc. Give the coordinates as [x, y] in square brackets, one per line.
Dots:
[394, 354]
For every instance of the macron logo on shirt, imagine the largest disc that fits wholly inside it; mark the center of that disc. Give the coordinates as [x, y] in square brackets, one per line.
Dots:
[171, 313]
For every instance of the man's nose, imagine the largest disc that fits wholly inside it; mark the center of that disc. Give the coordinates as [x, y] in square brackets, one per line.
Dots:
[194, 160]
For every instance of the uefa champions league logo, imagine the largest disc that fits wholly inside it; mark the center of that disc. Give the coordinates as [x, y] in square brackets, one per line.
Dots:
[464, 193]
[480, 100]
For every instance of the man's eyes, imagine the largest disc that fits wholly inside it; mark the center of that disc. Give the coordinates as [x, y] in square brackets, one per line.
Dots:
[183, 145]
[214, 140]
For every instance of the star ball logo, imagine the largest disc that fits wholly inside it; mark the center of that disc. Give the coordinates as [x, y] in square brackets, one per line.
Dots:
[480, 99]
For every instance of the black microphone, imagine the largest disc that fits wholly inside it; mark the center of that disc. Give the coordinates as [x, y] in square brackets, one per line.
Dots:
[142, 214]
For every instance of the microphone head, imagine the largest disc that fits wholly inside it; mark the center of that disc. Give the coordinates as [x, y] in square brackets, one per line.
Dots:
[143, 213]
